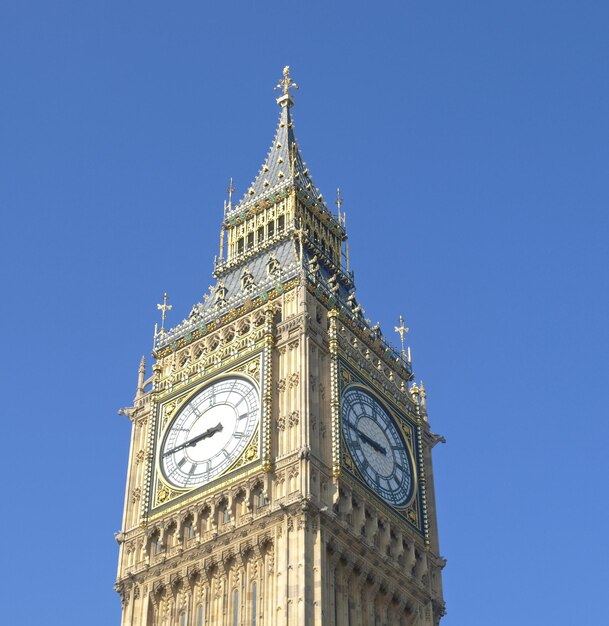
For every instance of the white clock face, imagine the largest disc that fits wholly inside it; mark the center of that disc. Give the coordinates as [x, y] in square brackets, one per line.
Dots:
[377, 446]
[210, 432]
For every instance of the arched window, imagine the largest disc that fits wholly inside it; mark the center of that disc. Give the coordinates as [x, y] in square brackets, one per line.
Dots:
[254, 609]
[182, 619]
[236, 608]
[190, 530]
[155, 544]
[260, 500]
[200, 616]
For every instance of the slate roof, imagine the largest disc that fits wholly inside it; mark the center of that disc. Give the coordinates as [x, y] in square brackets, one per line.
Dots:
[257, 267]
[232, 291]
[283, 166]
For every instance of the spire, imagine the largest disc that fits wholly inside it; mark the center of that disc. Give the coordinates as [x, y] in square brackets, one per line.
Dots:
[141, 375]
[283, 167]
[423, 401]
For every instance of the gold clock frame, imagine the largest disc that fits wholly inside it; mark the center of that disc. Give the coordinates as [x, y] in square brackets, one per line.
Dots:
[164, 496]
[411, 512]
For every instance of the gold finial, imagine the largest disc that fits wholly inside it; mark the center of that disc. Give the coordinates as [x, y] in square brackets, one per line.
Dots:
[402, 330]
[164, 308]
[299, 232]
[292, 158]
[286, 83]
[230, 191]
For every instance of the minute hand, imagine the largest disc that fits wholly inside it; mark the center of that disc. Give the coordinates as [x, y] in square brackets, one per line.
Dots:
[191, 442]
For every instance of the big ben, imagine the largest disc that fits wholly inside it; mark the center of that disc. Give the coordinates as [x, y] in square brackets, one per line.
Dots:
[280, 469]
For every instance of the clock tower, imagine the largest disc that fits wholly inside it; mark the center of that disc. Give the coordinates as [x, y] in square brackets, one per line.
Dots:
[280, 467]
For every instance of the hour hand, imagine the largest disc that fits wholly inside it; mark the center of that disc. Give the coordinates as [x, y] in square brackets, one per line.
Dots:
[208, 433]
[191, 442]
[373, 444]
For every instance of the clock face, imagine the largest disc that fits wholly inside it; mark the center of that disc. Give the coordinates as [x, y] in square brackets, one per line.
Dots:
[210, 432]
[377, 446]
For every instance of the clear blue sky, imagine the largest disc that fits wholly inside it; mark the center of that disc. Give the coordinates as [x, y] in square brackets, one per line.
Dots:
[470, 140]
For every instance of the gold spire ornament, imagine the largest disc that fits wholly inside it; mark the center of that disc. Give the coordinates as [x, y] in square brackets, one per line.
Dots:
[164, 308]
[286, 83]
[299, 232]
[292, 154]
[401, 330]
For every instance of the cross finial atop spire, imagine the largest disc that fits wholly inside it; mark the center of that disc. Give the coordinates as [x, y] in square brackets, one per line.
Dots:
[284, 85]
[401, 330]
[286, 82]
[164, 308]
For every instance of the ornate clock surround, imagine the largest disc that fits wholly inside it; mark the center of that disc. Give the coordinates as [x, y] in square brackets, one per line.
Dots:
[164, 496]
[413, 513]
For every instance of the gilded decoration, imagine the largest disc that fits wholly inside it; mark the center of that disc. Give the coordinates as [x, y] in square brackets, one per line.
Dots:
[165, 493]
[170, 406]
[205, 329]
[252, 368]
[251, 453]
[282, 273]
[409, 428]
[189, 499]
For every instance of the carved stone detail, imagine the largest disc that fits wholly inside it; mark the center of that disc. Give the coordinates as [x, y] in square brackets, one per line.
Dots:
[294, 418]
[294, 379]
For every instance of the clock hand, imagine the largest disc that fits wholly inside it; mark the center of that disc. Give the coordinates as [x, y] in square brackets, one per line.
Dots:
[191, 442]
[374, 445]
[364, 437]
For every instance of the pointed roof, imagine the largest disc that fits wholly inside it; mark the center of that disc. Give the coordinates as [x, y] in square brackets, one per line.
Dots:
[284, 166]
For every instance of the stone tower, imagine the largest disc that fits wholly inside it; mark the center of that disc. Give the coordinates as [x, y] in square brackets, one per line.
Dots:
[280, 466]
